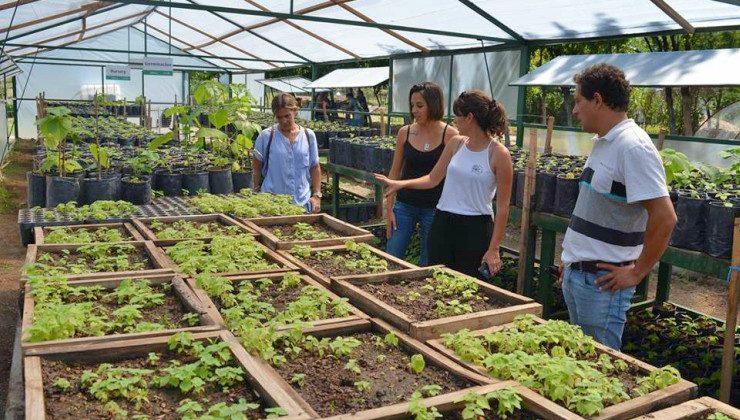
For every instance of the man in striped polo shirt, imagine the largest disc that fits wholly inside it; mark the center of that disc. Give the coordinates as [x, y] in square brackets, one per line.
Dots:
[623, 218]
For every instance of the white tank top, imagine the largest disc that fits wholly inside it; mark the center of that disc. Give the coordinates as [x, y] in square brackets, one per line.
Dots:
[469, 184]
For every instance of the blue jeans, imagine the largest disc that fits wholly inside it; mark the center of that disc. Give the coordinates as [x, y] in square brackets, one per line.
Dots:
[407, 216]
[601, 314]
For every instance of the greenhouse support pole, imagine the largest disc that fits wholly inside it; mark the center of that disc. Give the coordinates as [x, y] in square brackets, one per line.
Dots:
[390, 94]
[521, 95]
[15, 108]
[449, 89]
[102, 79]
[524, 239]
[728, 352]
[314, 73]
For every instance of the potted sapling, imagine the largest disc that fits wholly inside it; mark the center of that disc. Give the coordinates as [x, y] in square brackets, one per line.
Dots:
[137, 188]
[56, 129]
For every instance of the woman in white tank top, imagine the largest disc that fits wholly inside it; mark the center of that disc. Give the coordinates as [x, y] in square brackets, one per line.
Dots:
[476, 167]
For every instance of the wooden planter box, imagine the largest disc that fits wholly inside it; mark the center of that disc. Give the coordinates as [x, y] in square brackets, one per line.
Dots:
[212, 308]
[378, 326]
[531, 402]
[40, 233]
[189, 300]
[143, 225]
[326, 280]
[427, 329]
[694, 409]
[345, 230]
[671, 395]
[263, 382]
[160, 263]
[284, 264]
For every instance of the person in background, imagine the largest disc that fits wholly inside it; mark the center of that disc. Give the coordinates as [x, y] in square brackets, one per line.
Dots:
[418, 148]
[623, 217]
[476, 167]
[363, 104]
[356, 119]
[322, 104]
[285, 158]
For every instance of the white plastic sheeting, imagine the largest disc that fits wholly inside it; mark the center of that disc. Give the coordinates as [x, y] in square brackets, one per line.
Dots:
[232, 38]
[288, 84]
[657, 69]
[4, 138]
[468, 72]
[352, 78]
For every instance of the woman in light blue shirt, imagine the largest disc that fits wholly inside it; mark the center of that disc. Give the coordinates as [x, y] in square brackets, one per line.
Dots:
[285, 159]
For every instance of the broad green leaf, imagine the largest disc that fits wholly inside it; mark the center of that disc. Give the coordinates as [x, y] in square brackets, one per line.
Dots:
[160, 141]
[100, 155]
[219, 118]
[212, 133]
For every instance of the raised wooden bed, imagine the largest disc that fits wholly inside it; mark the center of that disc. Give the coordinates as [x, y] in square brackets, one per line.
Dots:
[668, 396]
[158, 261]
[431, 326]
[326, 279]
[266, 384]
[406, 343]
[143, 224]
[694, 409]
[213, 309]
[532, 403]
[340, 231]
[284, 264]
[179, 288]
[127, 229]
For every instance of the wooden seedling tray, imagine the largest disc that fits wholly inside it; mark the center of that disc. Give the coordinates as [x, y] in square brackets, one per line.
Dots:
[189, 300]
[284, 264]
[326, 280]
[378, 326]
[142, 224]
[671, 395]
[532, 402]
[40, 232]
[694, 409]
[261, 381]
[161, 264]
[345, 230]
[427, 329]
[214, 313]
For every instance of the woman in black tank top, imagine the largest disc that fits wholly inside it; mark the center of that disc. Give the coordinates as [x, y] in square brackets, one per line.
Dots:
[418, 149]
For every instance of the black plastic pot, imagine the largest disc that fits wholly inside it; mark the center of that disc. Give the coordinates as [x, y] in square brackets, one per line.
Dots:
[519, 200]
[719, 229]
[241, 180]
[108, 187]
[689, 231]
[136, 192]
[36, 189]
[545, 192]
[170, 183]
[220, 181]
[62, 190]
[194, 182]
[322, 139]
[566, 195]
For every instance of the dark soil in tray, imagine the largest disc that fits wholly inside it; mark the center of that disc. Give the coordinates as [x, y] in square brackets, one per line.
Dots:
[330, 388]
[77, 403]
[421, 307]
[298, 231]
[123, 258]
[491, 415]
[331, 267]
[189, 229]
[87, 235]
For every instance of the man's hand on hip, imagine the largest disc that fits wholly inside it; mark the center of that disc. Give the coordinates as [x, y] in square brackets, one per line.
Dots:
[618, 278]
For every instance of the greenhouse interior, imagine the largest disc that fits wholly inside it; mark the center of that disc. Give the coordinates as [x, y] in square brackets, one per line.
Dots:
[370, 209]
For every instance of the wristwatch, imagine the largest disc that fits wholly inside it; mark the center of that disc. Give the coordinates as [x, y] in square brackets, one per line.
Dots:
[317, 194]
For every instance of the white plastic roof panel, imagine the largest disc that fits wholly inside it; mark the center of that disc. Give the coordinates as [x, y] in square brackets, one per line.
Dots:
[116, 14]
[351, 78]
[678, 68]
[287, 84]
[262, 48]
[293, 38]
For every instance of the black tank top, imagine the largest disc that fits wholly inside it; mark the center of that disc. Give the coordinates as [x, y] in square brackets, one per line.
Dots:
[416, 164]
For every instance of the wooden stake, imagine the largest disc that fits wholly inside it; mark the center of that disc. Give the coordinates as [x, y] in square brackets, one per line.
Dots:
[529, 179]
[728, 352]
[661, 138]
[382, 121]
[548, 136]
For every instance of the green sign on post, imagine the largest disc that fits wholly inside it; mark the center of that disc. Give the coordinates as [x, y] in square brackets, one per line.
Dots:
[157, 66]
[117, 73]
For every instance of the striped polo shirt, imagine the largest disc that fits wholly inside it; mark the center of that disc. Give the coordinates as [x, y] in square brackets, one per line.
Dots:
[608, 222]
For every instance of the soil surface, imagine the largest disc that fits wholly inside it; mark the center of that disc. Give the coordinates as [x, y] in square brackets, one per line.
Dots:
[163, 402]
[336, 267]
[491, 415]
[137, 259]
[96, 234]
[288, 232]
[422, 307]
[330, 388]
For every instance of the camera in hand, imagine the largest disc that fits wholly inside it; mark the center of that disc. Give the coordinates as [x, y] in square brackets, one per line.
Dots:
[485, 272]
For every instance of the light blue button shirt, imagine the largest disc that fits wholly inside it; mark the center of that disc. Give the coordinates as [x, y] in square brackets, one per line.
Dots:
[289, 165]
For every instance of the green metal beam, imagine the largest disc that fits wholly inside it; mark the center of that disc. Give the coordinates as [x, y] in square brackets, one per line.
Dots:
[521, 95]
[555, 41]
[167, 54]
[289, 16]
[492, 19]
[77, 61]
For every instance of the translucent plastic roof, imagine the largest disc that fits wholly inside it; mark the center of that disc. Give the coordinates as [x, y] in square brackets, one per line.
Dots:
[247, 35]
[351, 78]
